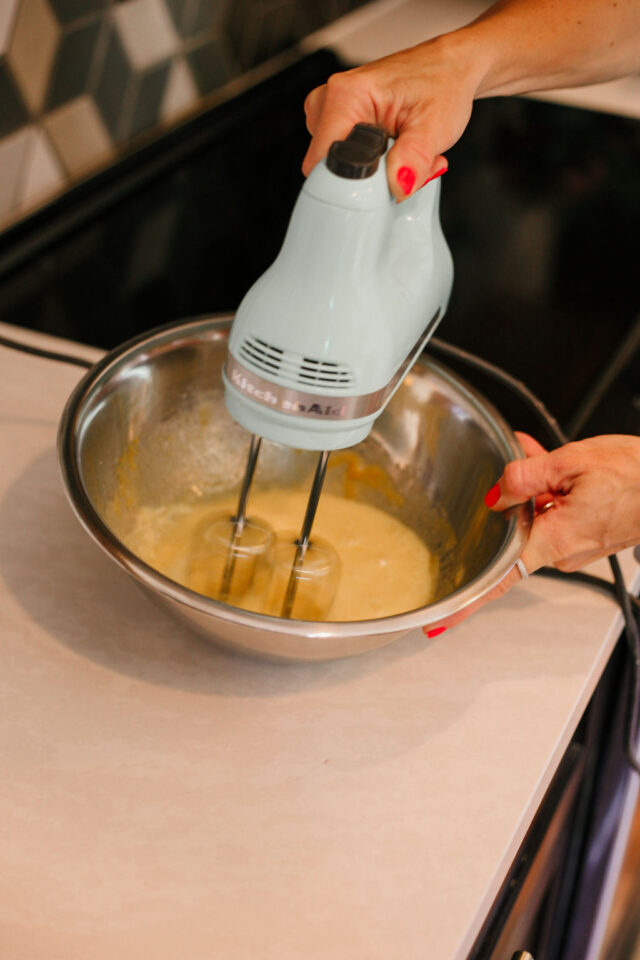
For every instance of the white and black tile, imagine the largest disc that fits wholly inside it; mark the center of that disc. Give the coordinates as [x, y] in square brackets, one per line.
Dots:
[74, 58]
[32, 50]
[81, 81]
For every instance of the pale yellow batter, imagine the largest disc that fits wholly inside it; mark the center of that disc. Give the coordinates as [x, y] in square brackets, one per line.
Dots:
[384, 569]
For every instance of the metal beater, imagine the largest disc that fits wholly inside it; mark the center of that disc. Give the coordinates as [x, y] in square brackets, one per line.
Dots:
[239, 520]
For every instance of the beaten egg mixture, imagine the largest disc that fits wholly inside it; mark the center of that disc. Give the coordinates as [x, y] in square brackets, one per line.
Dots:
[384, 567]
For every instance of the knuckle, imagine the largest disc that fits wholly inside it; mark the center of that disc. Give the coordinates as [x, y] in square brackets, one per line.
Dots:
[312, 98]
[337, 82]
[350, 87]
[421, 149]
[564, 460]
[559, 462]
[513, 476]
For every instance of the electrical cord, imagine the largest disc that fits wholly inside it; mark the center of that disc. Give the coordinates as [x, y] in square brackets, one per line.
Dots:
[629, 604]
[45, 354]
[589, 580]
[497, 373]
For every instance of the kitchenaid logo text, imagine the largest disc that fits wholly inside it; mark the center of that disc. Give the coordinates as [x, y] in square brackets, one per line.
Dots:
[244, 384]
[267, 395]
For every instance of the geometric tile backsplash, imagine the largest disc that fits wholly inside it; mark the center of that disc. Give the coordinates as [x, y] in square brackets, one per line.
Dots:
[81, 80]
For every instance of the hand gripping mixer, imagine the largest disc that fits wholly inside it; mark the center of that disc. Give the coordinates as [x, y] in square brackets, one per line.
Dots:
[323, 339]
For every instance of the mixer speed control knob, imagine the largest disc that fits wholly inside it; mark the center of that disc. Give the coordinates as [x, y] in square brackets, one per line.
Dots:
[358, 156]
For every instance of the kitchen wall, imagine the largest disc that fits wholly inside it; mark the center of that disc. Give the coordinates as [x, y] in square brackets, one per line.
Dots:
[82, 81]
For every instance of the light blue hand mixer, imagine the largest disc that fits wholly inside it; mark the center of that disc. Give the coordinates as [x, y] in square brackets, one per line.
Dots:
[326, 335]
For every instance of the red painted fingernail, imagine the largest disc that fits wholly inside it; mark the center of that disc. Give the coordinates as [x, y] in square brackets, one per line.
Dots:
[436, 175]
[492, 497]
[436, 632]
[406, 178]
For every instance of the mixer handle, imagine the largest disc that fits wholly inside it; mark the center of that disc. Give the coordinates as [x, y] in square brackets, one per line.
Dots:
[357, 157]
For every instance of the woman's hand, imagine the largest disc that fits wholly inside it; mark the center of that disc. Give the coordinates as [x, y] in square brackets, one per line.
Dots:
[423, 96]
[587, 505]
[587, 498]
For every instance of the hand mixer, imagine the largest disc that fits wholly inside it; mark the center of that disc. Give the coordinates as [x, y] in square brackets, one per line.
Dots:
[323, 339]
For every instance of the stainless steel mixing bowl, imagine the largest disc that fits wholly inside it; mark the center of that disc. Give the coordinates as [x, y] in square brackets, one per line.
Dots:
[148, 426]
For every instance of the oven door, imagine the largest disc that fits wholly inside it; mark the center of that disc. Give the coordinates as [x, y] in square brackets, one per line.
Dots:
[521, 924]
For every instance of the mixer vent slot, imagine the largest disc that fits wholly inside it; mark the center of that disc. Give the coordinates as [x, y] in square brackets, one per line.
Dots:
[324, 373]
[294, 370]
[261, 355]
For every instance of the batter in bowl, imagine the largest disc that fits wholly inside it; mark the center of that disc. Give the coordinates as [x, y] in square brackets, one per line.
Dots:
[385, 568]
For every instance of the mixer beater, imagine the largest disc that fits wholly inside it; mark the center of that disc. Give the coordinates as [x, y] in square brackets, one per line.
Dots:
[239, 518]
[302, 542]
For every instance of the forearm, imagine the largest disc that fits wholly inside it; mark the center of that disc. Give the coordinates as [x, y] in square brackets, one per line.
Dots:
[519, 46]
[424, 96]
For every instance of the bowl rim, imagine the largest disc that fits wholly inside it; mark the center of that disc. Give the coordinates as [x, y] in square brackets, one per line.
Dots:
[216, 326]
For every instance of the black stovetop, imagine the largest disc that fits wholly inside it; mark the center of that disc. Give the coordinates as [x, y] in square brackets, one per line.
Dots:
[540, 206]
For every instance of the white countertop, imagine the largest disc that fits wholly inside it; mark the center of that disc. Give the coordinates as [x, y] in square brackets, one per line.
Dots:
[162, 798]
